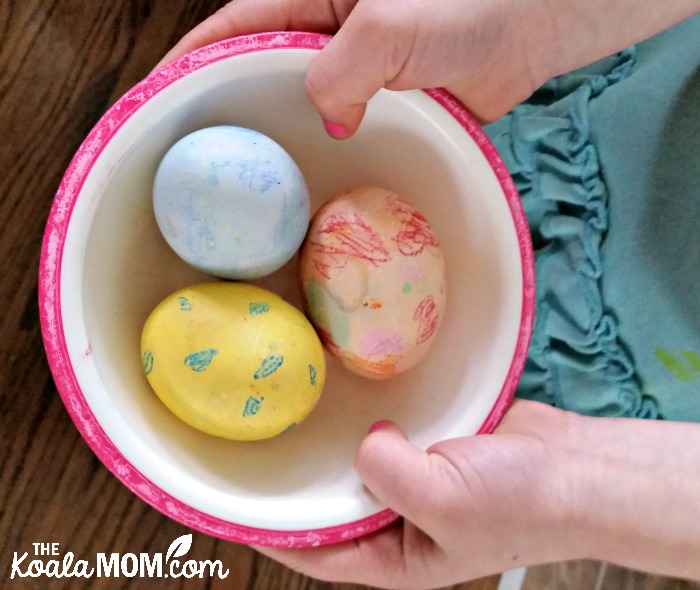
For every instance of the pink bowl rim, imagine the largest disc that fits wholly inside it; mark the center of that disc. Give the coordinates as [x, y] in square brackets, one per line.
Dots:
[50, 296]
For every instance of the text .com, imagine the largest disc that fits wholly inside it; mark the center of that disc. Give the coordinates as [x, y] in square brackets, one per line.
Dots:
[45, 562]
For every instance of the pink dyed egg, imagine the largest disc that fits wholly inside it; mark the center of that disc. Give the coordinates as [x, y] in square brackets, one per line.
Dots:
[373, 281]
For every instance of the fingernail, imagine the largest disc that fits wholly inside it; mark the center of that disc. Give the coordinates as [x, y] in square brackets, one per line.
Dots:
[335, 129]
[380, 425]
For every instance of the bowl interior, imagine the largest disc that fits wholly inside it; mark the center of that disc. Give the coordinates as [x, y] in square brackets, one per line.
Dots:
[116, 267]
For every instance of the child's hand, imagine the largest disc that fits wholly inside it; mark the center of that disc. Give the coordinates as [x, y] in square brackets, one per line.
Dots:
[546, 486]
[478, 50]
[473, 506]
[491, 54]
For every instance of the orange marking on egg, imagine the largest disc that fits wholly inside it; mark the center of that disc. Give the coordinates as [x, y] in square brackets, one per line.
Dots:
[385, 367]
[374, 304]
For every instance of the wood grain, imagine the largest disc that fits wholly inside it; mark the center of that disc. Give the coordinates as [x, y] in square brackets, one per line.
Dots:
[62, 64]
[593, 575]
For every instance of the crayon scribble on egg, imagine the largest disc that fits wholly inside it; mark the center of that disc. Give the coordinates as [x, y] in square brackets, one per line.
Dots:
[231, 202]
[373, 281]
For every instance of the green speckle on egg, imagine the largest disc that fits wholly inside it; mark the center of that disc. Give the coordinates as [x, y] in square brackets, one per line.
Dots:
[252, 406]
[326, 314]
[258, 307]
[406, 288]
[147, 362]
[200, 361]
[268, 366]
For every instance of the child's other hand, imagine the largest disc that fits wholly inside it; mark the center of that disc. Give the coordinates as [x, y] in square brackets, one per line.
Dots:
[491, 54]
[472, 506]
[478, 50]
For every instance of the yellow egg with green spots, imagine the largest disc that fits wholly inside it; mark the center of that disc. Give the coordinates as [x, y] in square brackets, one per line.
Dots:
[233, 360]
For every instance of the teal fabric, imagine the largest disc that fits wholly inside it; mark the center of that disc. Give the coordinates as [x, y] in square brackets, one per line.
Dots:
[607, 161]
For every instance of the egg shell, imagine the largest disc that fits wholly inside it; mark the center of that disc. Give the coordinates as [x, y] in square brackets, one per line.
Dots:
[233, 360]
[231, 202]
[373, 281]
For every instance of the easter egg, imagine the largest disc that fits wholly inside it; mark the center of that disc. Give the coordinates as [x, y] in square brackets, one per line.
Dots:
[233, 360]
[231, 202]
[373, 281]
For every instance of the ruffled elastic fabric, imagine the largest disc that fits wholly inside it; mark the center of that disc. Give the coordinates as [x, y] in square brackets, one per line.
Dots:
[576, 360]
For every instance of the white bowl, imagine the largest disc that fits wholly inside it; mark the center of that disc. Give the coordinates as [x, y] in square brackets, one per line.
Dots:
[104, 267]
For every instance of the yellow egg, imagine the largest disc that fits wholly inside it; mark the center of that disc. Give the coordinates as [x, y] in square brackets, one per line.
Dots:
[233, 360]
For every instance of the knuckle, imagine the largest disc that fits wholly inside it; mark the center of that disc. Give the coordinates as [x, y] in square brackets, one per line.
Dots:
[320, 89]
[367, 454]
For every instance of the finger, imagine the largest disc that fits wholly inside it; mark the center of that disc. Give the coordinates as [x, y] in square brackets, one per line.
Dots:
[381, 559]
[352, 68]
[245, 17]
[398, 473]
[364, 560]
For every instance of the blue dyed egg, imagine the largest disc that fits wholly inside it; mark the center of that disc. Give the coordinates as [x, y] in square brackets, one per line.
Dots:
[231, 202]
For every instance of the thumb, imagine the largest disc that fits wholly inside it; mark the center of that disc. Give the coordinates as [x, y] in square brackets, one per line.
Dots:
[396, 471]
[349, 71]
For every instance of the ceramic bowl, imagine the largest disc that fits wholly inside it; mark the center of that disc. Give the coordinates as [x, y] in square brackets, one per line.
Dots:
[105, 266]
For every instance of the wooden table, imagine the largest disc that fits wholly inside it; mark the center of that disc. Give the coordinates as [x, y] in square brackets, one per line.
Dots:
[62, 64]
